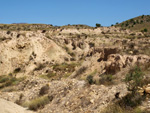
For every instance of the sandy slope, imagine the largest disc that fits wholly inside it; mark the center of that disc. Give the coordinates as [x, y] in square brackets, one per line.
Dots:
[9, 107]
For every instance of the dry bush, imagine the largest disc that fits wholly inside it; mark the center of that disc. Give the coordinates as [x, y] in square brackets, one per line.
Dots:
[106, 79]
[38, 103]
[114, 108]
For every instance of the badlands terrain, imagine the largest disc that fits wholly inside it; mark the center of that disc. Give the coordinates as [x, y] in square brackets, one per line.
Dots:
[74, 68]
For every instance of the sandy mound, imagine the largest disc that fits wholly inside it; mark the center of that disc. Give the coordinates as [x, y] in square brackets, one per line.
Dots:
[9, 107]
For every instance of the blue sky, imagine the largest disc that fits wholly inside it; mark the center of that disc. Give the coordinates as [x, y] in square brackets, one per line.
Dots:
[63, 12]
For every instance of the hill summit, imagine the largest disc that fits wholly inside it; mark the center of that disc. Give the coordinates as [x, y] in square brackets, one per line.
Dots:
[140, 23]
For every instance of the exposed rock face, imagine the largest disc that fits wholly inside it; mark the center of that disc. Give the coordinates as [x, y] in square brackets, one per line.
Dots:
[113, 64]
[145, 90]
[28, 50]
[117, 62]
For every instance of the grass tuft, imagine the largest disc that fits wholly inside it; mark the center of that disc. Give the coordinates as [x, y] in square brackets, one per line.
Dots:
[38, 103]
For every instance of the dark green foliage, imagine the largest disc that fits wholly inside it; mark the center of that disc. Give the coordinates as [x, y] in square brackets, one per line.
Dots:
[17, 70]
[144, 30]
[98, 25]
[127, 24]
[90, 79]
[141, 21]
[132, 20]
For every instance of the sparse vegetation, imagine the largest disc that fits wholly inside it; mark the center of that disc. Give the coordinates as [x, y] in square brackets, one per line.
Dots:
[113, 109]
[24, 27]
[7, 80]
[106, 79]
[134, 79]
[80, 70]
[69, 51]
[38, 103]
[80, 66]
[132, 100]
[65, 67]
[140, 23]
[49, 75]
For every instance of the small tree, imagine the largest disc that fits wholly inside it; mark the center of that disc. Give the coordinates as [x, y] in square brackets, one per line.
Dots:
[98, 25]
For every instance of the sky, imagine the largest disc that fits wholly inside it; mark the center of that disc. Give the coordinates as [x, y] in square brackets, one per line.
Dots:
[64, 12]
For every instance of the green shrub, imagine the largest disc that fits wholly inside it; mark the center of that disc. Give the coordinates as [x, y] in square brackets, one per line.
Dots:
[144, 30]
[90, 79]
[134, 79]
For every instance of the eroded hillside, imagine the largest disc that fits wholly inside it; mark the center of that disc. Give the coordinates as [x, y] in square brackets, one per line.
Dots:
[70, 69]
